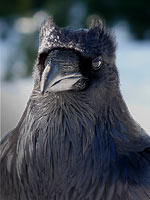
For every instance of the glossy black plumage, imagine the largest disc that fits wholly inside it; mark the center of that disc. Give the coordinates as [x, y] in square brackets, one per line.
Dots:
[81, 143]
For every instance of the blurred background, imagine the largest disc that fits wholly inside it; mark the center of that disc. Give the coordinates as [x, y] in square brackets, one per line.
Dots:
[20, 21]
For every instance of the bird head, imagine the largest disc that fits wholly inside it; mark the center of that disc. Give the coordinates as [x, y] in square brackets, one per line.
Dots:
[76, 72]
[75, 60]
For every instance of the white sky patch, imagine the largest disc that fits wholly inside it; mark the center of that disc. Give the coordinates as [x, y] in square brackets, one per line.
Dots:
[141, 114]
[14, 98]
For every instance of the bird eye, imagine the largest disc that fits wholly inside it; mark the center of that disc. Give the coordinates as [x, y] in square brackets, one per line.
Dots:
[97, 63]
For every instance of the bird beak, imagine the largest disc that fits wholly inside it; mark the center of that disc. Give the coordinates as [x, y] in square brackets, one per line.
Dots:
[52, 79]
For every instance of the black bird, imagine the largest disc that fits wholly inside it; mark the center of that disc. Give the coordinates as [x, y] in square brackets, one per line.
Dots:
[76, 139]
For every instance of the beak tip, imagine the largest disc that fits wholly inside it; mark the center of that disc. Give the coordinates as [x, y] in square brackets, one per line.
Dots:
[42, 93]
[42, 90]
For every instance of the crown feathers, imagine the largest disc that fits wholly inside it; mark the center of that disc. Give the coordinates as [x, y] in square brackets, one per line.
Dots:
[89, 43]
[96, 23]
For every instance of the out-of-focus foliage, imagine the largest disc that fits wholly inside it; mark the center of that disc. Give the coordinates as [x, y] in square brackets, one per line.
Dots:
[136, 12]
[23, 18]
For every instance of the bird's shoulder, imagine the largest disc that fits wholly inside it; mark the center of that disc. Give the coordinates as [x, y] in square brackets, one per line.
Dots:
[7, 167]
[9, 181]
[10, 139]
[135, 174]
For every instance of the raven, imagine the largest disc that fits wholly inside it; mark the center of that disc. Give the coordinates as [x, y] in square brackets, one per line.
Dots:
[76, 139]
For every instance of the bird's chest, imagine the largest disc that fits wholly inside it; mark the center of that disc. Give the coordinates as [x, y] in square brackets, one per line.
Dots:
[57, 158]
[61, 170]
[64, 157]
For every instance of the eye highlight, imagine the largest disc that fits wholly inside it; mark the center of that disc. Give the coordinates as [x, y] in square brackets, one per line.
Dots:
[97, 63]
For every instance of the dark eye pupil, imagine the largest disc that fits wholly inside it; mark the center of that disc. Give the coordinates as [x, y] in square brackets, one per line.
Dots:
[96, 63]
